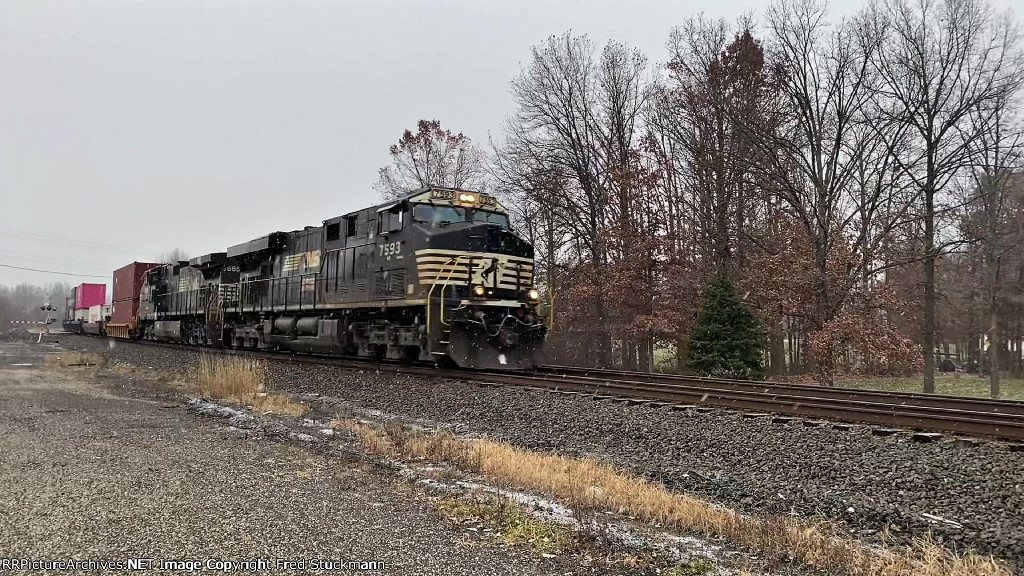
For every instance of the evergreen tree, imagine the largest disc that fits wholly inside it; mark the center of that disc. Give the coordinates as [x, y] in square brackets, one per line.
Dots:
[727, 341]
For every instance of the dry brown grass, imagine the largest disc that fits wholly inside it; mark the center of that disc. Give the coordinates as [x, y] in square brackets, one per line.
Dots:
[586, 483]
[73, 359]
[242, 381]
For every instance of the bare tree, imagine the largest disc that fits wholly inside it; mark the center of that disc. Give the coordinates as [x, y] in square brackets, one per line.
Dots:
[173, 256]
[995, 154]
[432, 157]
[941, 60]
[556, 130]
[818, 135]
[717, 84]
[560, 133]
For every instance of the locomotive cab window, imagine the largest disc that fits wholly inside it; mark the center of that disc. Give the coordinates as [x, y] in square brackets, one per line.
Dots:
[491, 218]
[438, 215]
[395, 219]
[334, 232]
[390, 220]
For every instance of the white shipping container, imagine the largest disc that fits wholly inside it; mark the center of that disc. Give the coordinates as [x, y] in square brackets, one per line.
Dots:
[96, 313]
[82, 314]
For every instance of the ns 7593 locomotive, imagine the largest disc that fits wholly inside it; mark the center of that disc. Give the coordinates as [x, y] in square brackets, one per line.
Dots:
[437, 275]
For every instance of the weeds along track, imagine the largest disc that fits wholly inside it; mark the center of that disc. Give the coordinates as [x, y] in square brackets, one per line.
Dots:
[994, 419]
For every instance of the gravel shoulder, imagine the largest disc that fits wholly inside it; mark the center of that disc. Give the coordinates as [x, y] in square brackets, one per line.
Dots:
[870, 484]
[95, 468]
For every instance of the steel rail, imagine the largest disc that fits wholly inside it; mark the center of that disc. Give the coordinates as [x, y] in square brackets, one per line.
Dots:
[757, 397]
[901, 398]
[945, 419]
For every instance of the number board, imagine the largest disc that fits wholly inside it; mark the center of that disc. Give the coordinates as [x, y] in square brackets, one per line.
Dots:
[442, 194]
[482, 199]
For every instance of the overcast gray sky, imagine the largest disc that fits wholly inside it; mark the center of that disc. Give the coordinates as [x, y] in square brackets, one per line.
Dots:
[132, 128]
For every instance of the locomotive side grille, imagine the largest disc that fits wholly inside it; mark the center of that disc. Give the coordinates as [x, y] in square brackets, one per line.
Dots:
[460, 268]
[228, 294]
[389, 284]
[380, 285]
[396, 284]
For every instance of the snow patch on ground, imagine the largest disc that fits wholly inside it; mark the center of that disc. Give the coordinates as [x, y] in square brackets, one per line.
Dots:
[237, 418]
[618, 531]
[622, 532]
[240, 419]
[373, 416]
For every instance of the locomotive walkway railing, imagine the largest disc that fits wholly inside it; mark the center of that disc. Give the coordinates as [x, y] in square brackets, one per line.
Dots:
[430, 294]
[290, 293]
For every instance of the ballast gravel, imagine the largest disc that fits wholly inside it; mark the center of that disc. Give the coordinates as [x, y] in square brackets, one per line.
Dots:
[968, 496]
[91, 472]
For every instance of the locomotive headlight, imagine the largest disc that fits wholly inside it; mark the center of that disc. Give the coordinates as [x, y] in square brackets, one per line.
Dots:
[467, 198]
[478, 290]
[533, 294]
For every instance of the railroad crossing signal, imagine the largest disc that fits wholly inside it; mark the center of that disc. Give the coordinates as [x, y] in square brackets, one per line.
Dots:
[46, 325]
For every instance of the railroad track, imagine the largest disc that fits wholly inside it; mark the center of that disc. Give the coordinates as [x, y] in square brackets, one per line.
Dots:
[924, 412]
[901, 398]
[970, 416]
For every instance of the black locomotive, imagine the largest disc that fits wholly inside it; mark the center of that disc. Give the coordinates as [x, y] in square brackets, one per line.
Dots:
[437, 275]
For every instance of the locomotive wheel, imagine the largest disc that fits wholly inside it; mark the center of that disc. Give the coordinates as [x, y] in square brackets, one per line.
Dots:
[410, 354]
[445, 363]
[379, 352]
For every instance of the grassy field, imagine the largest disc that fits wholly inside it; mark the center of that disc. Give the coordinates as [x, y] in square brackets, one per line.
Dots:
[949, 384]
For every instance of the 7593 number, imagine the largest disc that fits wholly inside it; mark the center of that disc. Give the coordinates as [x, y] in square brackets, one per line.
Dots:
[390, 249]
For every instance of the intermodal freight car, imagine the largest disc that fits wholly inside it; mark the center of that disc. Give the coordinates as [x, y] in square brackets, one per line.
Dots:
[437, 275]
[84, 309]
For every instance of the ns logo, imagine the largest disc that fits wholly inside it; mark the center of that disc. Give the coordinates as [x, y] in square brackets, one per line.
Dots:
[485, 272]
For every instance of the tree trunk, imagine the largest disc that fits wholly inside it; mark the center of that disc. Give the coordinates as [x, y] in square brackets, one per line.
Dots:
[777, 350]
[994, 346]
[1016, 364]
[972, 355]
[629, 356]
[646, 354]
[796, 344]
[1018, 355]
[928, 338]
[825, 367]
[682, 354]
[604, 339]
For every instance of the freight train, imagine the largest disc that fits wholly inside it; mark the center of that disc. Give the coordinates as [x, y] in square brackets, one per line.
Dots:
[436, 276]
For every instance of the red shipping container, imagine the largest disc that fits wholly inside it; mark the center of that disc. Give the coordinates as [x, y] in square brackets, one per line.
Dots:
[128, 280]
[89, 295]
[124, 311]
[69, 304]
